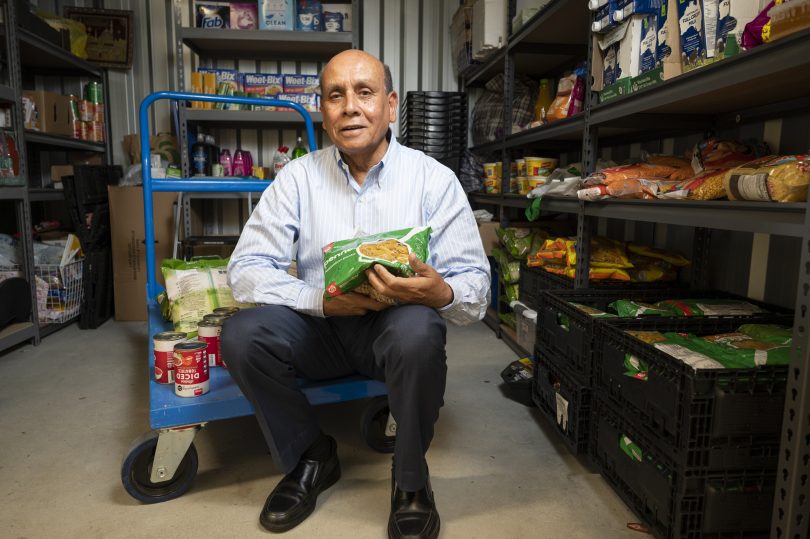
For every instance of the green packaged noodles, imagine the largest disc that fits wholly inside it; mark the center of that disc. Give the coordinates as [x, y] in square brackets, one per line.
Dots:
[518, 241]
[345, 262]
[768, 333]
[592, 311]
[626, 308]
[508, 269]
[512, 292]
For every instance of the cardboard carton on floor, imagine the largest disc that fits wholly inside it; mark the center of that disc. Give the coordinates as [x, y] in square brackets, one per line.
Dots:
[128, 246]
[489, 236]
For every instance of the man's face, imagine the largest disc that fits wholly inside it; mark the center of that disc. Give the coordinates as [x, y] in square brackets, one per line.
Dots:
[356, 109]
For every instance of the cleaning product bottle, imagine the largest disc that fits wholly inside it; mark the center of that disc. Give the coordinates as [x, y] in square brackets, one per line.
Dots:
[225, 161]
[544, 99]
[213, 153]
[280, 158]
[238, 168]
[300, 150]
[199, 156]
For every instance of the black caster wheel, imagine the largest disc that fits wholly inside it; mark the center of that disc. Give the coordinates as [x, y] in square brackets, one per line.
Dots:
[375, 418]
[136, 471]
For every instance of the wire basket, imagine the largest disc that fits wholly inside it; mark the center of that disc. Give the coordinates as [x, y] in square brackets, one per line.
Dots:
[64, 291]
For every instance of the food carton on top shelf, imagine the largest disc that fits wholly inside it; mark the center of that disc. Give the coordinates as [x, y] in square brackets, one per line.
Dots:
[276, 14]
[488, 27]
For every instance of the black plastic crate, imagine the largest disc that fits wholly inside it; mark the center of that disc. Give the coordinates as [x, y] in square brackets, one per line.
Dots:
[564, 401]
[674, 501]
[691, 410]
[571, 332]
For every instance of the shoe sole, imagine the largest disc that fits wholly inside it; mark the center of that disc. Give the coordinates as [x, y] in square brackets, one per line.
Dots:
[286, 526]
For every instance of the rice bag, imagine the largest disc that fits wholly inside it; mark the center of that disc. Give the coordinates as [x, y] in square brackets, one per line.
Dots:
[346, 261]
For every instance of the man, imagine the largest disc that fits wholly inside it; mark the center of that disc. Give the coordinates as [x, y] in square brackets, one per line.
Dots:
[367, 183]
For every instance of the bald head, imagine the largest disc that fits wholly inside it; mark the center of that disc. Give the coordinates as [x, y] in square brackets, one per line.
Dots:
[342, 60]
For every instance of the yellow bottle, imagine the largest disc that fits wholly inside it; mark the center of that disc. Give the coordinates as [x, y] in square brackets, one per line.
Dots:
[544, 99]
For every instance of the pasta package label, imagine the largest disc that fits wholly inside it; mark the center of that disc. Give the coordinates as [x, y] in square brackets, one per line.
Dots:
[345, 262]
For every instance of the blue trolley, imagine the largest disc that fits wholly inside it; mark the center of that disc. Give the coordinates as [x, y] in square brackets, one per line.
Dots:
[161, 464]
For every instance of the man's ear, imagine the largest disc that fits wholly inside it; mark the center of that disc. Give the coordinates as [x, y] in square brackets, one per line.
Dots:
[393, 101]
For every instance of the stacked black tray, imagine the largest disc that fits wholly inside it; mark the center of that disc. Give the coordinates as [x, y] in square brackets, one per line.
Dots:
[435, 123]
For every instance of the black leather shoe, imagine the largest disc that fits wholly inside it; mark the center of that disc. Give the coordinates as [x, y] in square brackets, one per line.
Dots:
[413, 514]
[293, 499]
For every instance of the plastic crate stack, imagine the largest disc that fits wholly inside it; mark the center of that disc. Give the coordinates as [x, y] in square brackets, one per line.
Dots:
[693, 452]
[435, 123]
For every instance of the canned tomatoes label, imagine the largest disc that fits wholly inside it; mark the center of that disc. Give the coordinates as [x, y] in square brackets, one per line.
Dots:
[164, 344]
[190, 369]
[209, 331]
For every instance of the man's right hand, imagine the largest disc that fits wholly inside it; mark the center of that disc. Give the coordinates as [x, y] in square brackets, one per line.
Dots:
[351, 304]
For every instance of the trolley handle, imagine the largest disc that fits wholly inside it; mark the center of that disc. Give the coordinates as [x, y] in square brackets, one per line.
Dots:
[207, 184]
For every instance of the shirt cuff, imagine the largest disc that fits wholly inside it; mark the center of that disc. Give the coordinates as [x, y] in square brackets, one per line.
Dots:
[310, 301]
[456, 299]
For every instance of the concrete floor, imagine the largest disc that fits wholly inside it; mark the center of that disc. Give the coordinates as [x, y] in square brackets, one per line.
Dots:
[70, 408]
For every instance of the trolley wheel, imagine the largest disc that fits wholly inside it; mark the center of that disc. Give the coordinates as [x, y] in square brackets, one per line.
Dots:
[136, 471]
[373, 423]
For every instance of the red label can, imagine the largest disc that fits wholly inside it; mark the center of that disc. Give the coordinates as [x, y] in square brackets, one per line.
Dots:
[164, 344]
[190, 369]
[209, 332]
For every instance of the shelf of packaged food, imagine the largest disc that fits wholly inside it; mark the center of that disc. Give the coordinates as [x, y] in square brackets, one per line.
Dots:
[264, 44]
[479, 74]
[12, 192]
[7, 94]
[43, 195]
[37, 53]
[560, 22]
[248, 118]
[14, 334]
[765, 76]
[487, 148]
[59, 142]
[568, 130]
[505, 199]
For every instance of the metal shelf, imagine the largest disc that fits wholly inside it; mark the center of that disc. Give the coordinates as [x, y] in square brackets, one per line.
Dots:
[505, 199]
[264, 44]
[569, 130]
[487, 148]
[12, 192]
[16, 333]
[729, 86]
[42, 55]
[248, 118]
[63, 143]
[42, 195]
[7, 94]
[765, 217]
[479, 74]
[559, 22]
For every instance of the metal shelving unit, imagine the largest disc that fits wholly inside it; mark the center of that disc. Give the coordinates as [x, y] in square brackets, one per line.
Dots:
[25, 50]
[723, 95]
[230, 44]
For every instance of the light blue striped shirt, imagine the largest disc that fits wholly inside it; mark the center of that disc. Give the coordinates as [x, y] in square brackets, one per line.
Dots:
[315, 201]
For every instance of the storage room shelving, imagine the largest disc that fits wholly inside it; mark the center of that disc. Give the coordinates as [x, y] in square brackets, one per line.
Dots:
[770, 81]
[211, 47]
[29, 56]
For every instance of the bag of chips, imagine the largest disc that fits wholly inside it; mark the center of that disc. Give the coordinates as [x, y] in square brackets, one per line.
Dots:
[346, 261]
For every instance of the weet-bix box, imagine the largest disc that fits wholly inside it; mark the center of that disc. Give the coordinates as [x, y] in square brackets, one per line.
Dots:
[276, 14]
[309, 101]
[298, 84]
[263, 83]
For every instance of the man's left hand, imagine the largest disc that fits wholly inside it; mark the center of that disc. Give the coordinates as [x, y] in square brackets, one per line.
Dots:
[427, 287]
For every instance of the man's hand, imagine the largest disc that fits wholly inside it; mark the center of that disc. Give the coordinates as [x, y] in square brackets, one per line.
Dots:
[426, 288]
[351, 304]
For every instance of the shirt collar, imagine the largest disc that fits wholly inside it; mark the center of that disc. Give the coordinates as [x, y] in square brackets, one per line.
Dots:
[390, 154]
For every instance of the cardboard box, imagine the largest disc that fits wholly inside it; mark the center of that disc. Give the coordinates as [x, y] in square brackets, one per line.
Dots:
[164, 144]
[488, 27]
[489, 237]
[54, 111]
[128, 246]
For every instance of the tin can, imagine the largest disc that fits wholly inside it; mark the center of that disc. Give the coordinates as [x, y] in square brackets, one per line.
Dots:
[96, 131]
[94, 92]
[209, 331]
[226, 311]
[190, 369]
[164, 344]
[98, 112]
[219, 318]
[84, 131]
[86, 110]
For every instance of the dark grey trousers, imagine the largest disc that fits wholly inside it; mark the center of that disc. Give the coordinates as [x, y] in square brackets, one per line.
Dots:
[266, 348]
